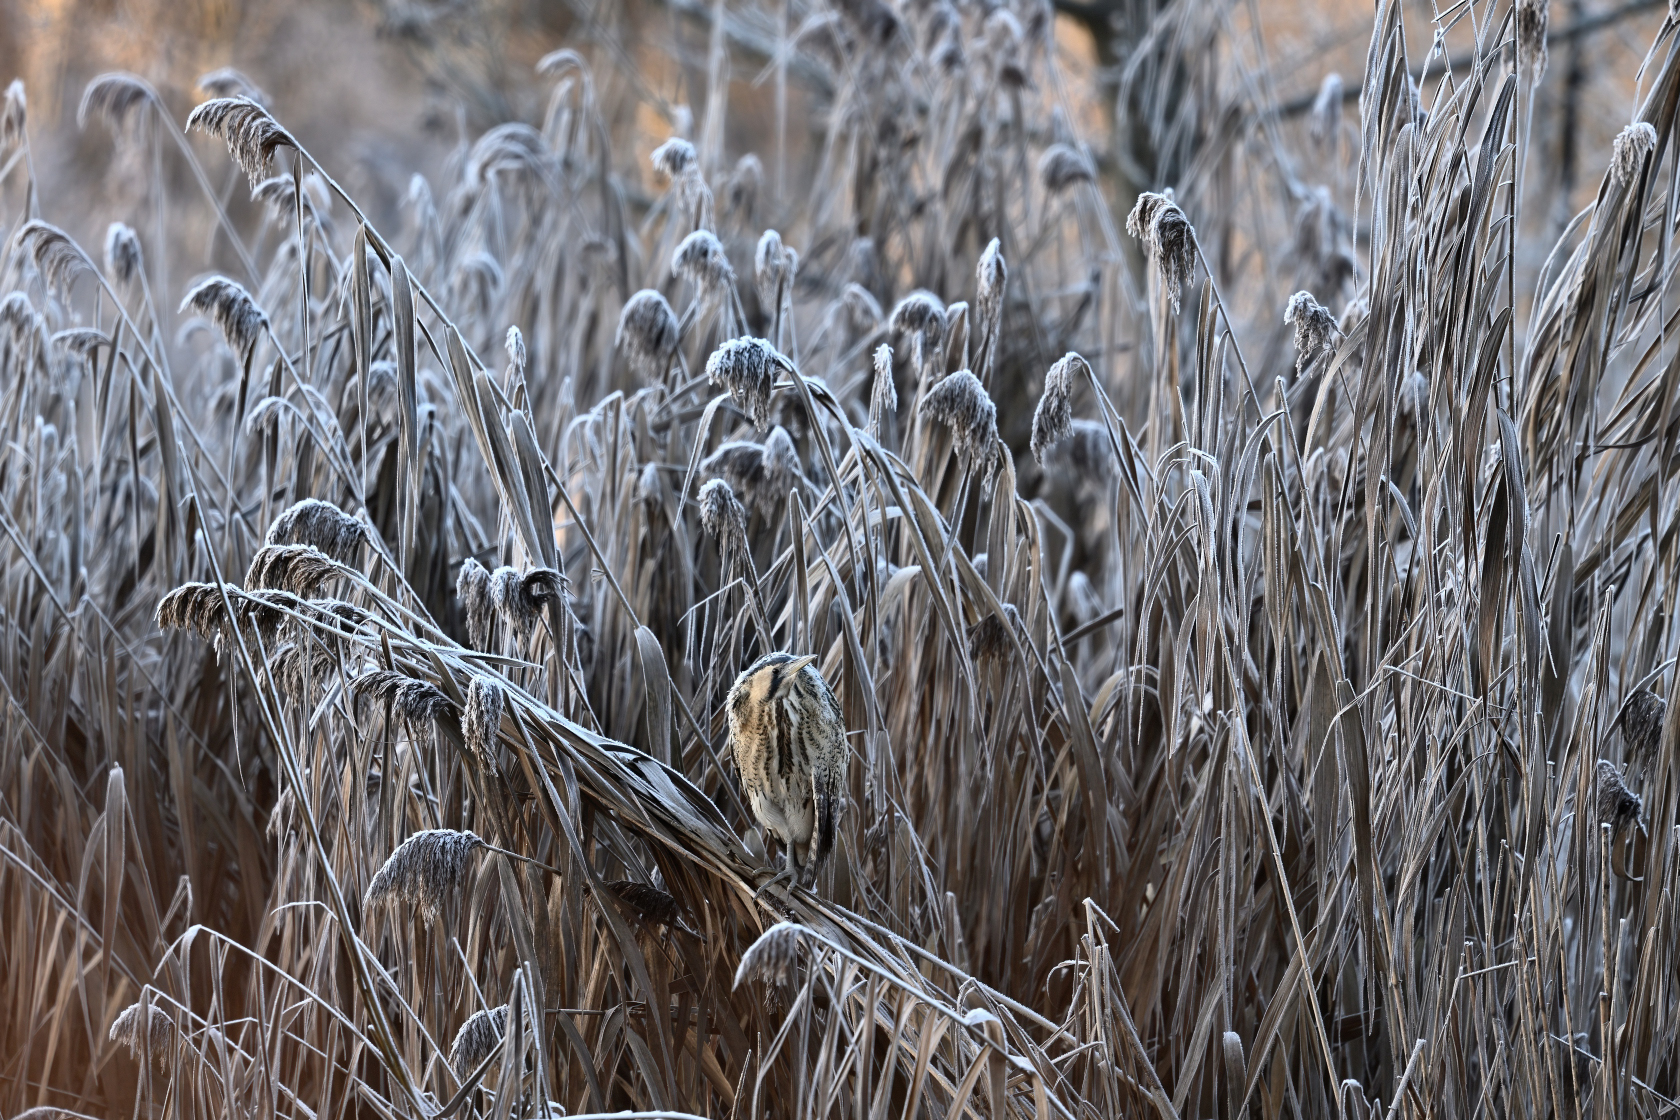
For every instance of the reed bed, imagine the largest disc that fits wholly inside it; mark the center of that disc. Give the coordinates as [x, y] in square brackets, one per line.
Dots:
[1260, 704]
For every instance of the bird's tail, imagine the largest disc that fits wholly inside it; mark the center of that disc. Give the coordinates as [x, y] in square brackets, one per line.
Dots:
[828, 814]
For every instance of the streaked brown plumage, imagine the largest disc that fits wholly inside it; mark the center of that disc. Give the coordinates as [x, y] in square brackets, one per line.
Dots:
[789, 742]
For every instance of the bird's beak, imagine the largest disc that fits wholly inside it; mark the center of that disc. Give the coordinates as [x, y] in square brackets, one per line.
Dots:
[799, 663]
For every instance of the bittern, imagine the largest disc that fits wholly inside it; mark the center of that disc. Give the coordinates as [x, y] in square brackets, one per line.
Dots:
[789, 742]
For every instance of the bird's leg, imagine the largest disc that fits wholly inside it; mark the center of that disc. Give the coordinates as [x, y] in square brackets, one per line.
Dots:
[786, 873]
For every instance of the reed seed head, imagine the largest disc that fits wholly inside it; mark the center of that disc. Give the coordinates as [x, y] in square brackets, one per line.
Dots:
[1087, 454]
[521, 597]
[1617, 805]
[478, 1038]
[426, 871]
[321, 525]
[151, 1036]
[1327, 109]
[193, 606]
[745, 181]
[115, 98]
[1532, 17]
[58, 259]
[701, 261]
[748, 368]
[1642, 724]
[722, 515]
[298, 568]
[228, 82]
[648, 903]
[418, 703]
[227, 304]
[774, 265]
[1166, 233]
[863, 310]
[989, 640]
[472, 590]
[252, 136]
[1633, 144]
[1053, 418]
[772, 958]
[482, 723]
[883, 390]
[14, 116]
[122, 254]
[991, 277]
[921, 314]
[648, 334]
[514, 343]
[1315, 327]
[674, 157]
[960, 402]
[1063, 165]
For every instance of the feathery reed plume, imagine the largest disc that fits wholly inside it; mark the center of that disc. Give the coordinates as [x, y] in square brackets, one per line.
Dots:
[227, 304]
[960, 403]
[477, 1039]
[1642, 723]
[114, 99]
[748, 367]
[648, 334]
[1158, 222]
[773, 957]
[1314, 327]
[1617, 805]
[417, 702]
[1004, 41]
[943, 38]
[1063, 165]
[252, 136]
[1053, 418]
[763, 473]
[80, 341]
[863, 310]
[193, 606]
[672, 158]
[472, 589]
[873, 20]
[651, 904]
[883, 390]
[58, 259]
[14, 116]
[921, 315]
[153, 1037]
[321, 525]
[1327, 111]
[1086, 453]
[278, 193]
[700, 260]
[228, 82]
[1633, 144]
[298, 568]
[989, 640]
[514, 344]
[19, 321]
[425, 871]
[740, 193]
[774, 265]
[481, 725]
[1532, 16]
[521, 597]
[122, 254]
[991, 277]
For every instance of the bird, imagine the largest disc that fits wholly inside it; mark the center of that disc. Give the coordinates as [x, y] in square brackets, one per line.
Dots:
[788, 739]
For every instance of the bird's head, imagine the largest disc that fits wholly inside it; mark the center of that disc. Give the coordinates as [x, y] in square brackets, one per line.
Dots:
[772, 676]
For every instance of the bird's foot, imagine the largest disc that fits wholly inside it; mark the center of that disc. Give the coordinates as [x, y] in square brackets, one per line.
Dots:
[786, 873]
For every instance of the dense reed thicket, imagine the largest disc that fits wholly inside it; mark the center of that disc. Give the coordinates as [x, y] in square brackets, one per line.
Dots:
[1237, 728]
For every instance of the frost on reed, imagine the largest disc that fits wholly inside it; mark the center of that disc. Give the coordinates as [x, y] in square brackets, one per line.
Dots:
[773, 958]
[921, 315]
[1314, 328]
[1053, 418]
[115, 98]
[748, 368]
[320, 525]
[252, 136]
[14, 117]
[427, 871]
[763, 473]
[227, 304]
[151, 1036]
[960, 403]
[883, 390]
[472, 591]
[1617, 805]
[298, 568]
[774, 266]
[1642, 724]
[991, 277]
[1063, 166]
[122, 254]
[1633, 144]
[58, 259]
[1166, 233]
[1532, 17]
[700, 259]
[990, 641]
[521, 597]
[482, 723]
[418, 703]
[648, 334]
[477, 1039]
[228, 82]
[674, 157]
